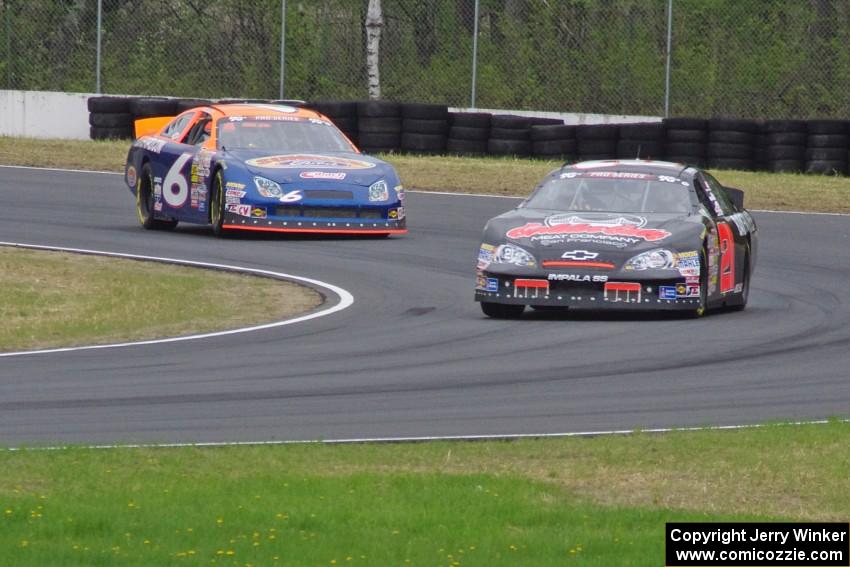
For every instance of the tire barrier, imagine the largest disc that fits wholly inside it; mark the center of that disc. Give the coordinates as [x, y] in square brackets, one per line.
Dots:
[803, 146]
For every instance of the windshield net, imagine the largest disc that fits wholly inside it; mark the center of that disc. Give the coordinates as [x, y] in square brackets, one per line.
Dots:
[285, 134]
[610, 191]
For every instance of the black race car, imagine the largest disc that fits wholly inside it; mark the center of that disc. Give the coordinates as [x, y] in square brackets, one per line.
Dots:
[635, 235]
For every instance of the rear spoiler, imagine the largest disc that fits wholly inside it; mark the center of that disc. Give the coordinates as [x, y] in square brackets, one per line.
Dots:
[149, 126]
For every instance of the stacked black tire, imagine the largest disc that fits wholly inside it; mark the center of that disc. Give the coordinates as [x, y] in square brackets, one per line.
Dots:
[379, 126]
[641, 140]
[554, 141]
[468, 133]
[184, 104]
[685, 140]
[342, 114]
[110, 118]
[731, 143]
[510, 135]
[783, 145]
[424, 128]
[597, 141]
[826, 147]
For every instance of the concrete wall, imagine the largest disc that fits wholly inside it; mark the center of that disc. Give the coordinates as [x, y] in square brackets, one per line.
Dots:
[568, 117]
[41, 114]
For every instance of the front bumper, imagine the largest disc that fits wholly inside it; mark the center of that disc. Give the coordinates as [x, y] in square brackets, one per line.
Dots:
[234, 221]
[616, 293]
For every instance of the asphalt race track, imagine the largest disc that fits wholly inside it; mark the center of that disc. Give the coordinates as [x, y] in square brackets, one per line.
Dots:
[414, 356]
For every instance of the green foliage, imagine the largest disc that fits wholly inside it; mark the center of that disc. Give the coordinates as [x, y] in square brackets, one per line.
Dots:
[754, 58]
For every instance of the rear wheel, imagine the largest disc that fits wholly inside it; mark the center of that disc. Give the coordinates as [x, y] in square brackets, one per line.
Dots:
[145, 203]
[502, 310]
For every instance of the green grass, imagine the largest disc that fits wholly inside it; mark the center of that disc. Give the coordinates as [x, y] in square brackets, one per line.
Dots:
[56, 299]
[597, 501]
[492, 176]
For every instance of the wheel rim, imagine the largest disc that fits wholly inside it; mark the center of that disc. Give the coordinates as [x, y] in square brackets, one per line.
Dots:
[143, 200]
[215, 205]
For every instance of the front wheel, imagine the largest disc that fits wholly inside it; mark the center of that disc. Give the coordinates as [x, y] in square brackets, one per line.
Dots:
[703, 285]
[217, 205]
[145, 203]
[501, 310]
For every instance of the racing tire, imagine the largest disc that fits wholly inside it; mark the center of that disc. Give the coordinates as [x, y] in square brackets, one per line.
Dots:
[556, 132]
[685, 123]
[502, 310]
[144, 203]
[509, 134]
[469, 133]
[777, 152]
[740, 164]
[826, 154]
[108, 104]
[651, 131]
[639, 149]
[470, 119]
[422, 111]
[736, 124]
[597, 132]
[334, 109]
[423, 142]
[123, 133]
[598, 149]
[111, 119]
[771, 126]
[686, 136]
[826, 127]
[424, 126]
[554, 148]
[346, 124]
[377, 125]
[217, 205]
[510, 122]
[378, 109]
[146, 107]
[827, 141]
[703, 286]
[735, 151]
[372, 140]
[696, 161]
[685, 149]
[786, 139]
[730, 137]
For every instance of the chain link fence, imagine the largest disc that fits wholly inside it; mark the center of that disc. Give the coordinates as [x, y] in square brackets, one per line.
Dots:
[739, 58]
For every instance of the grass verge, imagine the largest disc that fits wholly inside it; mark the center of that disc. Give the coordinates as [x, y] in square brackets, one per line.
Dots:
[56, 299]
[600, 501]
[490, 176]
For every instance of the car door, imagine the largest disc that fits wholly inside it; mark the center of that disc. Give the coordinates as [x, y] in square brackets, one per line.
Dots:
[728, 239]
[182, 167]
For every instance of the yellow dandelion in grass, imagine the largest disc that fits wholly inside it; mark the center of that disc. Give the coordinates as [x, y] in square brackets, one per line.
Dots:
[272, 536]
[471, 548]
[333, 561]
[230, 552]
[190, 552]
[256, 543]
[8, 511]
[131, 504]
[395, 532]
[25, 543]
[219, 521]
[349, 558]
[180, 554]
[512, 547]
[572, 550]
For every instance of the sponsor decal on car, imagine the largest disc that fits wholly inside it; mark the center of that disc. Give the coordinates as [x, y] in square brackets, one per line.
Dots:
[485, 256]
[336, 175]
[153, 145]
[579, 255]
[238, 193]
[487, 284]
[258, 212]
[230, 185]
[530, 288]
[617, 230]
[241, 210]
[622, 292]
[399, 191]
[598, 278]
[667, 292]
[492, 284]
[298, 161]
[131, 176]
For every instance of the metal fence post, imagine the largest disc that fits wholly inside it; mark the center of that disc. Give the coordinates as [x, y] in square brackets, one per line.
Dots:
[7, 17]
[474, 56]
[99, 34]
[667, 67]
[282, 45]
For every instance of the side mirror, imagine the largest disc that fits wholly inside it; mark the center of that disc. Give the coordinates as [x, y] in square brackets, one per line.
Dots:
[736, 196]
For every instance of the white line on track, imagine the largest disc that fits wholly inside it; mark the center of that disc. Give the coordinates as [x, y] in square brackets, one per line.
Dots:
[503, 437]
[345, 298]
[422, 192]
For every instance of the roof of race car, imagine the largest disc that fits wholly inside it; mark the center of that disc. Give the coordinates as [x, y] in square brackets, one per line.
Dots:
[249, 110]
[633, 165]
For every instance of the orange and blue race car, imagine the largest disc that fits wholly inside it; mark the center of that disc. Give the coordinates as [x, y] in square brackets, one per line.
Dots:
[260, 167]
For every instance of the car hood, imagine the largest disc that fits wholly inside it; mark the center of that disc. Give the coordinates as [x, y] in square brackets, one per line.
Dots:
[304, 167]
[551, 231]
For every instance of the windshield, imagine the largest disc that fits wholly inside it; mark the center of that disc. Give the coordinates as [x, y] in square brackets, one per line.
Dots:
[611, 191]
[285, 134]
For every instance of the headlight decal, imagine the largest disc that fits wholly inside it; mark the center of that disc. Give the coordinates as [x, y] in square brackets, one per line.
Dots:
[513, 254]
[379, 191]
[659, 259]
[268, 188]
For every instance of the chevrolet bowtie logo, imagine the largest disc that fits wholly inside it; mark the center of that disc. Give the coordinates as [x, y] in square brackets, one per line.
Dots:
[579, 255]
